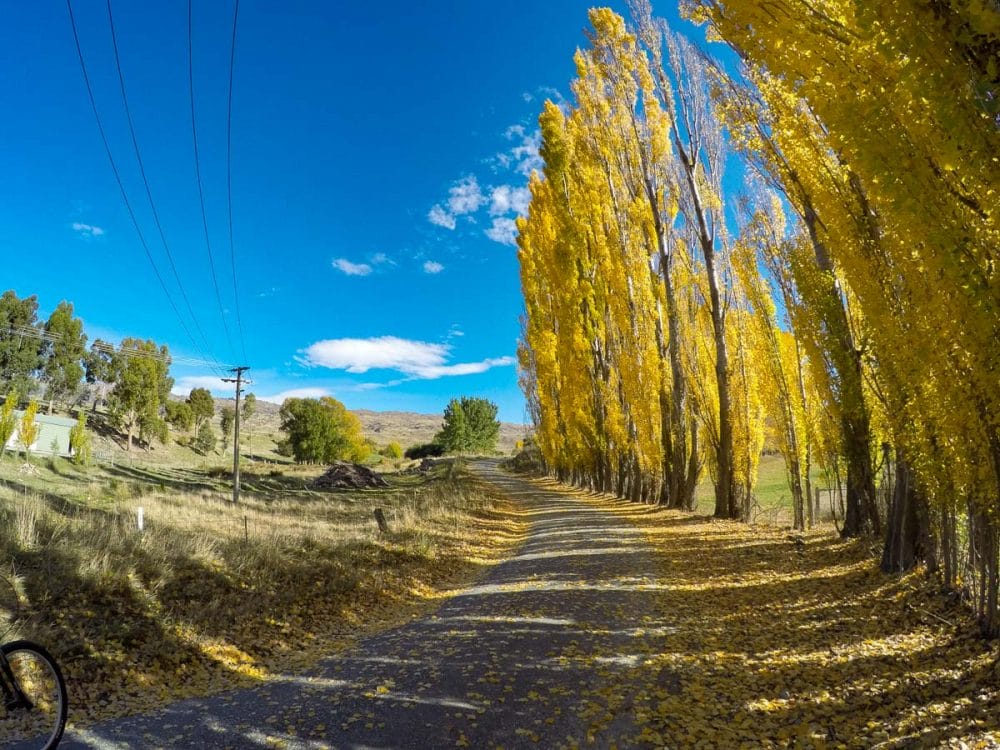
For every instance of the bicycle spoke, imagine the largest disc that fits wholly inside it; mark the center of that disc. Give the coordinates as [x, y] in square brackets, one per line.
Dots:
[40, 697]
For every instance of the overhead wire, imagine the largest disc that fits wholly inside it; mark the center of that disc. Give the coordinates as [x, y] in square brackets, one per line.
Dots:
[229, 179]
[145, 182]
[109, 348]
[197, 170]
[124, 193]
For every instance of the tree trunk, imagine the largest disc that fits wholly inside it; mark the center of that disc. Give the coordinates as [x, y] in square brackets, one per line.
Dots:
[694, 467]
[904, 536]
[861, 514]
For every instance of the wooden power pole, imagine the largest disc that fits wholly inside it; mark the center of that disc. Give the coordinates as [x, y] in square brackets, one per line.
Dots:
[236, 428]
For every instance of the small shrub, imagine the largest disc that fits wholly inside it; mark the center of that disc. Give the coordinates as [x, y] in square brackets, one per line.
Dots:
[392, 450]
[427, 450]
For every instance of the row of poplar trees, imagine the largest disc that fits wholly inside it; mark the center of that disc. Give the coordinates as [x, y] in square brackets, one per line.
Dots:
[800, 243]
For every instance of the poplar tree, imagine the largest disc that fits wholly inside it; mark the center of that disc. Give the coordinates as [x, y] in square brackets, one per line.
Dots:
[27, 428]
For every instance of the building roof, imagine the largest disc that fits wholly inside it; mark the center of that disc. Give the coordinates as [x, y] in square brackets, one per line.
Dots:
[49, 419]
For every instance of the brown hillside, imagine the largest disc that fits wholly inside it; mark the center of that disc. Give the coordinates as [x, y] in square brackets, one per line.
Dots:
[405, 427]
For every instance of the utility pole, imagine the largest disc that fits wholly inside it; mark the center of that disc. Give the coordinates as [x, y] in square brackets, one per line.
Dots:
[236, 436]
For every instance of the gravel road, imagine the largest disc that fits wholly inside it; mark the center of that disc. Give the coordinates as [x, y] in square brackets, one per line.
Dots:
[535, 655]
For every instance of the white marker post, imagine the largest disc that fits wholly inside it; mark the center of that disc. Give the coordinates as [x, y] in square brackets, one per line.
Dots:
[138, 517]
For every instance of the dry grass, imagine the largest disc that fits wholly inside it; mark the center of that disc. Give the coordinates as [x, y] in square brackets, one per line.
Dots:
[210, 595]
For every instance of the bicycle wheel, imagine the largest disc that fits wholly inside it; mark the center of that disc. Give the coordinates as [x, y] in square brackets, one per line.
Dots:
[39, 724]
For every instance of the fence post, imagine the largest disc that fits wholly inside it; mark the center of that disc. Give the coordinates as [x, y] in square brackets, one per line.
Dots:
[138, 517]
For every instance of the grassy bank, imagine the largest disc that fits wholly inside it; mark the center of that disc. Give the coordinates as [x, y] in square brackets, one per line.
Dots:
[211, 595]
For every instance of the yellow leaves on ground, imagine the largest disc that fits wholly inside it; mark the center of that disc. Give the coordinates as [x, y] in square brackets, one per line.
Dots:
[776, 646]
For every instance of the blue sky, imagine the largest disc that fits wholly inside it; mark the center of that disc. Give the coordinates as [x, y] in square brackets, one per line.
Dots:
[380, 154]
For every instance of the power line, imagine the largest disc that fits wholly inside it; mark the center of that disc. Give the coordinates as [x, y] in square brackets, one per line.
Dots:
[229, 178]
[104, 346]
[197, 171]
[121, 185]
[145, 180]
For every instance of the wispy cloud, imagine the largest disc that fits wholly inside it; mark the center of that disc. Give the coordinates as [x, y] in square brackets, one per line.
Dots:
[418, 360]
[186, 383]
[432, 266]
[523, 156]
[87, 230]
[352, 269]
[279, 398]
[506, 198]
[440, 217]
[464, 197]
[381, 259]
[504, 231]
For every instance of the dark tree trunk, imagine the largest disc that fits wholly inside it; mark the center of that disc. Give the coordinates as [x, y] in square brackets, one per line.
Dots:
[904, 536]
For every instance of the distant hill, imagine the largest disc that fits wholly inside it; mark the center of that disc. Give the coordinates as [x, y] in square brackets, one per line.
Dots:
[405, 427]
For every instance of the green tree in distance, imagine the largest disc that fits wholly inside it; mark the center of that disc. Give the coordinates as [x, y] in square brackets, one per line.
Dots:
[470, 426]
[227, 418]
[205, 441]
[63, 352]
[248, 410]
[202, 406]
[20, 344]
[141, 383]
[98, 367]
[321, 431]
[179, 415]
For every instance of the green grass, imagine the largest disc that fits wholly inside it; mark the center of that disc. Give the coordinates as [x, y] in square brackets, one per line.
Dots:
[773, 495]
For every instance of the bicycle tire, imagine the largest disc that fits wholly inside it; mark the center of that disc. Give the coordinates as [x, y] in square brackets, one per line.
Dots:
[39, 677]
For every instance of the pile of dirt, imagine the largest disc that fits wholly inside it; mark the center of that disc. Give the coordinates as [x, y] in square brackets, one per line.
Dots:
[343, 475]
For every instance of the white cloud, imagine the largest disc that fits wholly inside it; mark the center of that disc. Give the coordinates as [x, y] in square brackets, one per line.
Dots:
[380, 259]
[442, 218]
[279, 398]
[464, 368]
[504, 231]
[87, 230]
[432, 266]
[525, 156]
[186, 383]
[514, 131]
[506, 198]
[555, 95]
[465, 197]
[383, 352]
[420, 360]
[352, 269]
